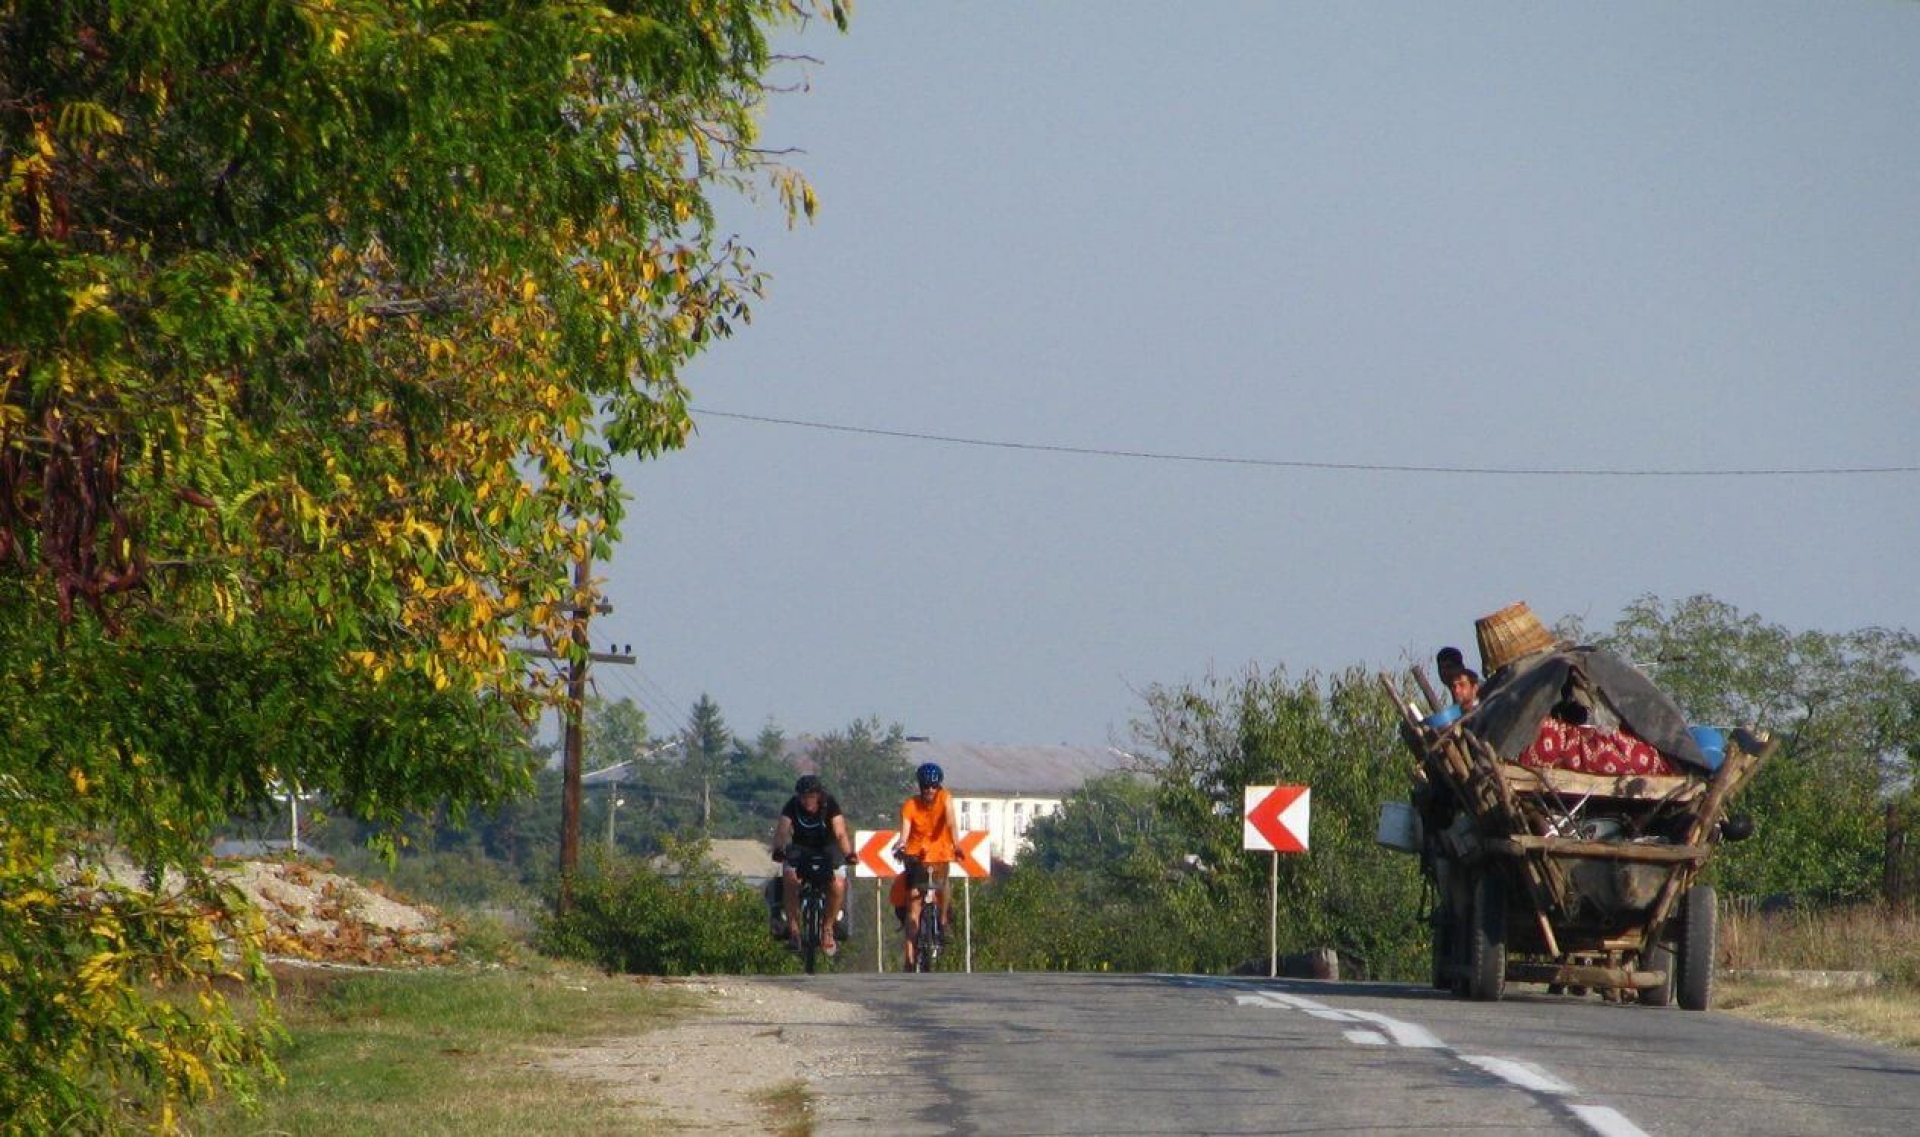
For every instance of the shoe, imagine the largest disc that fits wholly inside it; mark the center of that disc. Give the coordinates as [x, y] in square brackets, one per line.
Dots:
[828, 944]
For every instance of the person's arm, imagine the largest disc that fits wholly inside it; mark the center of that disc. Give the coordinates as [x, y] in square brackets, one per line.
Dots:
[906, 828]
[782, 835]
[953, 821]
[841, 835]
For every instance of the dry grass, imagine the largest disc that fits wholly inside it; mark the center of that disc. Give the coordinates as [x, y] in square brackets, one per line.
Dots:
[788, 1108]
[1878, 1014]
[1866, 938]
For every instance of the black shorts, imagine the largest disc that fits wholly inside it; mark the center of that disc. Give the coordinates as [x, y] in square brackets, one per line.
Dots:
[915, 870]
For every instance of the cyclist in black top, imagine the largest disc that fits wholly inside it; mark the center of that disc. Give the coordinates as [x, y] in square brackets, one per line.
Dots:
[811, 823]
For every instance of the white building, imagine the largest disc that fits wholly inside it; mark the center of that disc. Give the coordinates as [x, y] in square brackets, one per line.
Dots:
[1005, 789]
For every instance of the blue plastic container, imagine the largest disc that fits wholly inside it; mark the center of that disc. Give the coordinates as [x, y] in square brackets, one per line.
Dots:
[1444, 717]
[1712, 743]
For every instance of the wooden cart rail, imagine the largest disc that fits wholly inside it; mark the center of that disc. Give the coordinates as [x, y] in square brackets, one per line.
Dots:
[1599, 850]
[1571, 783]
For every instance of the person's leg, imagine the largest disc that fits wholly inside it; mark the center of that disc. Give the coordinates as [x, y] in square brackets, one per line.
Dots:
[946, 898]
[911, 922]
[790, 901]
[836, 896]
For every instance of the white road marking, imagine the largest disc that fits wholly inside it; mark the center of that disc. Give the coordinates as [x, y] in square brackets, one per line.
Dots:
[1604, 1121]
[1526, 1075]
[1409, 1035]
[1607, 1122]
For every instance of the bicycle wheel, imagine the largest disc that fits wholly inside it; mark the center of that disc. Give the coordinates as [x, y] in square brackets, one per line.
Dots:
[926, 944]
[810, 918]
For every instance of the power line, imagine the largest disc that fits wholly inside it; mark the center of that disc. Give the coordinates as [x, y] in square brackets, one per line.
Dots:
[1302, 464]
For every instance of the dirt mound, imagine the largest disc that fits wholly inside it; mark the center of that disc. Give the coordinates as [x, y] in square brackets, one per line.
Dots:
[315, 914]
[310, 912]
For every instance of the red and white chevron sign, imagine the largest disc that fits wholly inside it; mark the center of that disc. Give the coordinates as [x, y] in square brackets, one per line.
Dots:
[1275, 819]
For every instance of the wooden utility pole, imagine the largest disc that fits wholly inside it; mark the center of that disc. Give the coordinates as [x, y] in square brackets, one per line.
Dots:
[574, 746]
[575, 749]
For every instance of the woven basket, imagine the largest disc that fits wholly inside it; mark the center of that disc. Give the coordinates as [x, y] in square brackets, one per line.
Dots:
[1509, 634]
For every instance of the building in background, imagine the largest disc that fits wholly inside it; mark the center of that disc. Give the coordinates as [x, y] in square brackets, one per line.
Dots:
[1005, 789]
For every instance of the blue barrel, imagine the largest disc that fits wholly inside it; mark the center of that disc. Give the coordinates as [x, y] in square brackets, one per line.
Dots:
[1712, 743]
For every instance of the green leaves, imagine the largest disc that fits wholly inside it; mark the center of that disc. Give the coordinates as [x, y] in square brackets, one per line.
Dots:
[319, 327]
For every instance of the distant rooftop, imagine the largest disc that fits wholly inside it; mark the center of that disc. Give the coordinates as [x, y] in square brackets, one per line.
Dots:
[1045, 771]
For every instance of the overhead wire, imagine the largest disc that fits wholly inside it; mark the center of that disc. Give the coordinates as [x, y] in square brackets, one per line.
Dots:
[1307, 464]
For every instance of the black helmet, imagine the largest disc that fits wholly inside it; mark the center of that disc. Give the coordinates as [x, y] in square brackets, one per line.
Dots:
[809, 784]
[929, 774]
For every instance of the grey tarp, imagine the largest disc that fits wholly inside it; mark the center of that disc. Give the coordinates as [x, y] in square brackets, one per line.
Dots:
[1519, 697]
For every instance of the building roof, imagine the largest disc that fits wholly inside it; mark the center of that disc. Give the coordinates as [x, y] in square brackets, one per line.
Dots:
[736, 857]
[1039, 771]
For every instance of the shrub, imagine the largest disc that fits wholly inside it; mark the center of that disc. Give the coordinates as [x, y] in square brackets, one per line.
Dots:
[629, 917]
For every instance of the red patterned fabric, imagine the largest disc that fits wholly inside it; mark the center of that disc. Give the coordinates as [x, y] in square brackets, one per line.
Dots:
[1589, 750]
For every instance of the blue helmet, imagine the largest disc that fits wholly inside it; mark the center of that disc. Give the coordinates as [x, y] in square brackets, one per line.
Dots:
[929, 774]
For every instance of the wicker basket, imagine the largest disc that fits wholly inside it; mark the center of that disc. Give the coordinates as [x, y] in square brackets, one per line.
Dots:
[1509, 634]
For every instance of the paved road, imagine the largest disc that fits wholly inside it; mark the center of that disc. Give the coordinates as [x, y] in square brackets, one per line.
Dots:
[1095, 1054]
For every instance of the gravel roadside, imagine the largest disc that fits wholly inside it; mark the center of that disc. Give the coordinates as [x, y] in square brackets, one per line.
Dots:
[706, 1074]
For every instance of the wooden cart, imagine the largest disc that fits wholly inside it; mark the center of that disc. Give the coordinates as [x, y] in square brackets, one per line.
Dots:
[1568, 879]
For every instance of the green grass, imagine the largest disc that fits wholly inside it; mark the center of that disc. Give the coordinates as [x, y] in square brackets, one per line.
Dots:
[446, 1052]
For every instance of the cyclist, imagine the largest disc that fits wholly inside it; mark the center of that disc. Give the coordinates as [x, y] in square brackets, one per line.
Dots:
[929, 837]
[811, 826]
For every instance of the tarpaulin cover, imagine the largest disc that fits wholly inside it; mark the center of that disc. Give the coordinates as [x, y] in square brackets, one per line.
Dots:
[1520, 696]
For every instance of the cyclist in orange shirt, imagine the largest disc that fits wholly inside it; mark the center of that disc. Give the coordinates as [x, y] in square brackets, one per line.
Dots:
[929, 836]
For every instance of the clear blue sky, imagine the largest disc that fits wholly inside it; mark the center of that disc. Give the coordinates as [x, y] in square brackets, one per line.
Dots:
[1622, 237]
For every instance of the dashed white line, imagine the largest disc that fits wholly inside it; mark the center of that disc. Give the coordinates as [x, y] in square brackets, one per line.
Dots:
[1526, 1075]
[1604, 1121]
[1410, 1035]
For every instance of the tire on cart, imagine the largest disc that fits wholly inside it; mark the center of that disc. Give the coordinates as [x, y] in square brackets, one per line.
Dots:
[1487, 939]
[1443, 937]
[1696, 947]
[1658, 958]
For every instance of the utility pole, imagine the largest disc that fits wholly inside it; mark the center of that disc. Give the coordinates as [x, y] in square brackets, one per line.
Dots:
[574, 744]
[575, 749]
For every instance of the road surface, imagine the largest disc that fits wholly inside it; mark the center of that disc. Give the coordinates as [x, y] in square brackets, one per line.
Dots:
[1010, 1054]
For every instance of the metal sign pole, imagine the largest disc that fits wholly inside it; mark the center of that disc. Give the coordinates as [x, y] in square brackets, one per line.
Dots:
[966, 896]
[879, 949]
[1273, 919]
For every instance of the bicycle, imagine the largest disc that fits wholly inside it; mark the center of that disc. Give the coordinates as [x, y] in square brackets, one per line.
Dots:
[927, 940]
[813, 869]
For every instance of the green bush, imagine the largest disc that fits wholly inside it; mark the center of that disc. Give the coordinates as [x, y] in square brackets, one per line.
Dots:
[628, 917]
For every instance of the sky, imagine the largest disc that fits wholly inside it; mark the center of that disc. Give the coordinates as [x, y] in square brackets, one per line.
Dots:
[1323, 240]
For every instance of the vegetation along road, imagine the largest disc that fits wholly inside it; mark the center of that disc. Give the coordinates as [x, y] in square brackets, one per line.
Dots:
[1032, 1054]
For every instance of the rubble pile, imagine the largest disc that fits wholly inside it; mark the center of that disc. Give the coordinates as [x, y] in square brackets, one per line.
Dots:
[313, 914]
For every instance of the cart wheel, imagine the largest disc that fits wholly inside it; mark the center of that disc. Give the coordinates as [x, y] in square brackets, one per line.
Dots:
[1442, 932]
[1487, 939]
[1699, 931]
[1658, 958]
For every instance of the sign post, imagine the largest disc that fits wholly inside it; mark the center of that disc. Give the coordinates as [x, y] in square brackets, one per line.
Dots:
[1275, 819]
[870, 849]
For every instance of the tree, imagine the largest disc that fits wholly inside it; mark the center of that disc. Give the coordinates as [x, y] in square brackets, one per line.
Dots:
[1150, 875]
[319, 327]
[865, 766]
[708, 745]
[1844, 707]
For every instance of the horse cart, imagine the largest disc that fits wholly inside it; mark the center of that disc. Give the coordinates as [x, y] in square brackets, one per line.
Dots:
[1568, 877]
